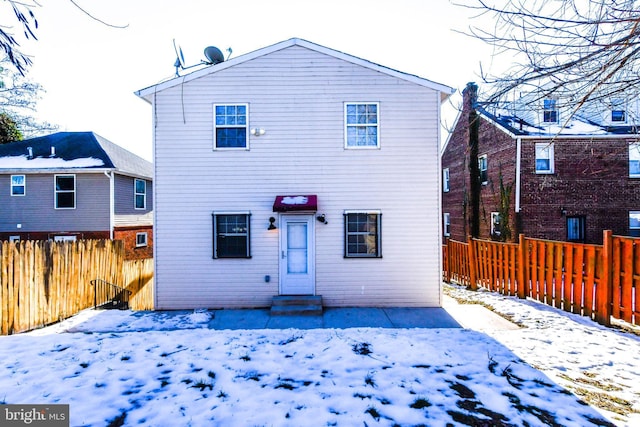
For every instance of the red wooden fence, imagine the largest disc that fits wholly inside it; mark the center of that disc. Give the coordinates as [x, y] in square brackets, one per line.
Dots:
[598, 281]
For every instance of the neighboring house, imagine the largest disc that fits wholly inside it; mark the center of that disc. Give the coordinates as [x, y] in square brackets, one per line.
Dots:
[565, 175]
[296, 169]
[76, 185]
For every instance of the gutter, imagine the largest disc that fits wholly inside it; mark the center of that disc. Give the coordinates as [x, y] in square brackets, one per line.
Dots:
[112, 209]
[518, 160]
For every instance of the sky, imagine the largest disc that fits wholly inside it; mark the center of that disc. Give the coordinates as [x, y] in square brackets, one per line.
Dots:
[90, 70]
[170, 368]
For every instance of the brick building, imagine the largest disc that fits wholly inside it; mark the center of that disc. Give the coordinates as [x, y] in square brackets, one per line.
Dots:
[543, 170]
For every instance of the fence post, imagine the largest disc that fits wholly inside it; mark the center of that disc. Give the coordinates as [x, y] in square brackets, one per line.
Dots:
[522, 267]
[473, 282]
[604, 291]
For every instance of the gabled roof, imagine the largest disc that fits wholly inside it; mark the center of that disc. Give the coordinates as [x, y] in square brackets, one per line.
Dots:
[71, 150]
[146, 93]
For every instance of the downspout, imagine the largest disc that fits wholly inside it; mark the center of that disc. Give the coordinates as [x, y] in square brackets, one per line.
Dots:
[111, 203]
[518, 159]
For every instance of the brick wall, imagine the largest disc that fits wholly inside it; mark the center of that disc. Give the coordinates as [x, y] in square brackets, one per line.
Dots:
[128, 236]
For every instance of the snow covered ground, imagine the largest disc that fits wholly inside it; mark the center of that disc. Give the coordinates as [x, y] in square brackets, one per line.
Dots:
[156, 369]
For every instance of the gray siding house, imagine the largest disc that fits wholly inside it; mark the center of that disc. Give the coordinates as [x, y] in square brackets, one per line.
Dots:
[296, 170]
[76, 185]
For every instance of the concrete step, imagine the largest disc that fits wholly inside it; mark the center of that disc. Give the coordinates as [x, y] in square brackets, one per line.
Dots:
[296, 305]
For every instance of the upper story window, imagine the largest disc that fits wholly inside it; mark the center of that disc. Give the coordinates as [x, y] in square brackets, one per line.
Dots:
[618, 111]
[231, 235]
[544, 157]
[140, 193]
[362, 234]
[65, 191]
[483, 165]
[445, 180]
[634, 160]
[18, 185]
[230, 123]
[361, 123]
[550, 110]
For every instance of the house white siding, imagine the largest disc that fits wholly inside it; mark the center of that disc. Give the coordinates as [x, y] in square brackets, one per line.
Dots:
[297, 95]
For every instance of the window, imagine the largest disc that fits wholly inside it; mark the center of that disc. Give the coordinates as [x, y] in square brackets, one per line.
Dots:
[550, 111]
[618, 112]
[230, 126]
[445, 180]
[544, 157]
[18, 185]
[362, 234]
[483, 166]
[231, 235]
[14, 238]
[65, 191]
[65, 238]
[634, 223]
[141, 239]
[361, 123]
[576, 228]
[140, 193]
[496, 225]
[634, 160]
[446, 224]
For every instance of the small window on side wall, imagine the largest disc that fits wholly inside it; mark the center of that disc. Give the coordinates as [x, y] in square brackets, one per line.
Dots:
[483, 165]
[445, 180]
[618, 111]
[634, 223]
[140, 194]
[141, 239]
[544, 157]
[231, 235]
[65, 191]
[550, 111]
[634, 160]
[362, 234]
[446, 230]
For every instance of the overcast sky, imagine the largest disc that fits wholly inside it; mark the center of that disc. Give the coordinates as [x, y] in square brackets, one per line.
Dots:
[90, 70]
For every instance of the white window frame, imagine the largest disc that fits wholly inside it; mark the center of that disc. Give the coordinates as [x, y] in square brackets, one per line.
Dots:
[540, 148]
[446, 224]
[217, 126]
[65, 238]
[634, 159]
[56, 191]
[136, 194]
[14, 238]
[23, 185]
[141, 239]
[550, 106]
[378, 234]
[215, 215]
[445, 180]
[375, 125]
[484, 158]
[635, 214]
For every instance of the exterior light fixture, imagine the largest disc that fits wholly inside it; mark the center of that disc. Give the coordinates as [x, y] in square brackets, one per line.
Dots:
[257, 131]
[322, 218]
[272, 225]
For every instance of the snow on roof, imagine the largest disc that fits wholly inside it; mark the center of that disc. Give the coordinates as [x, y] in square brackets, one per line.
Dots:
[24, 162]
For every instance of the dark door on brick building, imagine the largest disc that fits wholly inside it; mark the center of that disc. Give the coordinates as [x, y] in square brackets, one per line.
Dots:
[576, 228]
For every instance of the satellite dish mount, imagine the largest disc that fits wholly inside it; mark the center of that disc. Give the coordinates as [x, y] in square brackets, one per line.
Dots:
[212, 54]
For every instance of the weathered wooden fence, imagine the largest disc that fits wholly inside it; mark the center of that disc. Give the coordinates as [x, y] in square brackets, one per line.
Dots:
[43, 282]
[598, 281]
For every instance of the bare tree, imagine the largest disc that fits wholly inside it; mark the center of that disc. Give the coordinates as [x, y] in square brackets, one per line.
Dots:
[583, 50]
[27, 23]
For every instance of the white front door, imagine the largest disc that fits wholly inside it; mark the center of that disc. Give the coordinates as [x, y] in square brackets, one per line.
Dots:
[297, 255]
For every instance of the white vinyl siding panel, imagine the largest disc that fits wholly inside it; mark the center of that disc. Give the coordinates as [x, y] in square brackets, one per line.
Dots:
[297, 96]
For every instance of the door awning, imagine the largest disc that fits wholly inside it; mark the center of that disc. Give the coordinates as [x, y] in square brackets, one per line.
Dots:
[295, 203]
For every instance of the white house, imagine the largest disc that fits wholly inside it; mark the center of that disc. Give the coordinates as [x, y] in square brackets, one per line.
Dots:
[296, 170]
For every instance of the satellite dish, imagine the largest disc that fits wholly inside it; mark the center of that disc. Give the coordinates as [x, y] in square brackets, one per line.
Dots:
[213, 55]
[179, 57]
